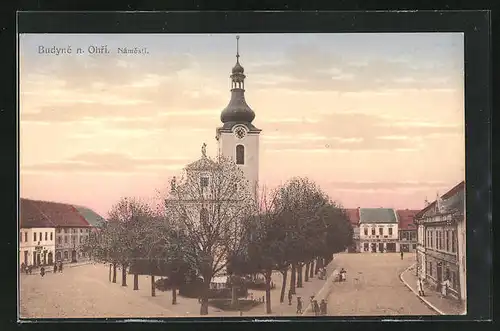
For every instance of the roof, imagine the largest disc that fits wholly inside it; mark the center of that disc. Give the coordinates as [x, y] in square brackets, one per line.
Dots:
[90, 216]
[377, 215]
[202, 164]
[46, 214]
[353, 215]
[405, 217]
[456, 189]
[237, 110]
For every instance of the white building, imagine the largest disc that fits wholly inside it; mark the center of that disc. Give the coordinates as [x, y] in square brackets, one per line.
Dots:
[51, 231]
[378, 230]
[441, 242]
[238, 138]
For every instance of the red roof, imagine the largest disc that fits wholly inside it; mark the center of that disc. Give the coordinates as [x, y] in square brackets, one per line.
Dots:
[353, 215]
[43, 214]
[405, 217]
[460, 186]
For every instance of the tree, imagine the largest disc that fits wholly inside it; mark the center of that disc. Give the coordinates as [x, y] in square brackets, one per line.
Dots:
[208, 204]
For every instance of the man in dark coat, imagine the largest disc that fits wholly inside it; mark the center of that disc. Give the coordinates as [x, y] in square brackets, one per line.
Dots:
[60, 266]
[401, 252]
[299, 305]
[42, 271]
[322, 307]
[55, 267]
[315, 307]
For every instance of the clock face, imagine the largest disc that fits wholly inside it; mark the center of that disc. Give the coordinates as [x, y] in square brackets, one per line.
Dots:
[240, 132]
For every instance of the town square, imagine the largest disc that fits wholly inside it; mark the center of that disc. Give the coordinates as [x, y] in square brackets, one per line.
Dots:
[168, 195]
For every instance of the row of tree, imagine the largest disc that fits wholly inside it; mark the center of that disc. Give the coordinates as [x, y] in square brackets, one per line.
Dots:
[210, 223]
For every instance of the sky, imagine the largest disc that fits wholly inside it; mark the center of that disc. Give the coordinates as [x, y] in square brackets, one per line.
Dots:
[377, 120]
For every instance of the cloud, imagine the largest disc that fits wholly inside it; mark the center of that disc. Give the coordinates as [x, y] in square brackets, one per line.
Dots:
[308, 67]
[106, 162]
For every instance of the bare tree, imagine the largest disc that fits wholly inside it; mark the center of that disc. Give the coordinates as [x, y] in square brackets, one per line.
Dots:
[208, 204]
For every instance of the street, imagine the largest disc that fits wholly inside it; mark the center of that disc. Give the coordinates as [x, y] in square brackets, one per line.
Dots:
[372, 288]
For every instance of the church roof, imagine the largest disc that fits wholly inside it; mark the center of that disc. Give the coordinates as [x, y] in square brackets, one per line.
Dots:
[377, 215]
[237, 110]
[202, 164]
[228, 126]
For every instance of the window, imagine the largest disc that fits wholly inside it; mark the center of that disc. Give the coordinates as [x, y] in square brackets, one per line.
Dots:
[65, 230]
[414, 246]
[65, 239]
[204, 181]
[81, 230]
[34, 236]
[26, 236]
[73, 239]
[51, 238]
[390, 231]
[65, 255]
[365, 247]
[366, 233]
[40, 237]
[453, 242]
[81, 240]
[58, 230]
[430, 268]
[240, 154]
[373, 231]
[59, 240]
[380, 231]
[46, 236]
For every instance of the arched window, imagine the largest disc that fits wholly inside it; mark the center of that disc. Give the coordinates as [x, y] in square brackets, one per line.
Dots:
[204, 215]
[240, 154]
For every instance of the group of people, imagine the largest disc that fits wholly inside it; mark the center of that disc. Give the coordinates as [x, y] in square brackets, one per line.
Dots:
[342, 275]
[58, 266]
[318, 309]
[322, 273]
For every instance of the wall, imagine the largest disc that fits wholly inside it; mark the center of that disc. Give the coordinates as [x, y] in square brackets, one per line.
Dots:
[30, 245]
[75, 237]
[385, 238]
[227, 147]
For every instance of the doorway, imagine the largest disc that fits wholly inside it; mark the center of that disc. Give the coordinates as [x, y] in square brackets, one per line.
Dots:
[37, 259]
[50, 259]
[374, 248]
[391, 247]
[26, 257]
[381, 247]
[73, 256]
[58, 256]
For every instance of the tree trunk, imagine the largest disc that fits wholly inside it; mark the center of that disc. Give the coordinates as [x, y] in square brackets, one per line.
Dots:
[299, 275]
[284, 274]
[136, 282]
[153, 286]
[174, 295]
[318, 265]
[204, 296]
[293, 279]
[234, 296]
[311, 269]
[124, 275]
[268, 275]
[306, 274]
[110, 267]
[114, 272]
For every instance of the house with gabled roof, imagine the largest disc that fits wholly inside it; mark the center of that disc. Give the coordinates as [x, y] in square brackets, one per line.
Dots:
[378, 230]
[407, 230]
[52, 231]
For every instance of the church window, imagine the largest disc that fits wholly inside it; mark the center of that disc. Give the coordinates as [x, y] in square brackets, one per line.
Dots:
[240, 154]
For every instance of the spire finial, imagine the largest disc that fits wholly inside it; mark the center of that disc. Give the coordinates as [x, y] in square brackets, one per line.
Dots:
[237, 48]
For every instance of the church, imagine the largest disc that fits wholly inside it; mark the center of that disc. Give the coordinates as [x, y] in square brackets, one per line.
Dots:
[237, 138]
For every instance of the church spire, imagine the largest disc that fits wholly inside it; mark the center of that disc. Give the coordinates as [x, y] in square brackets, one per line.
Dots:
[237, 110]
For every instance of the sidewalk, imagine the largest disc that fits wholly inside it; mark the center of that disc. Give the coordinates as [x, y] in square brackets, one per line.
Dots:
[433, 299]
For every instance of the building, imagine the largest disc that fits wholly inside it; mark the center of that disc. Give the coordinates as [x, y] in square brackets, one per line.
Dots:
[353, 215]
[238, 139]
[378, 230]
[51, 231]
[407, 230]
[441, 247]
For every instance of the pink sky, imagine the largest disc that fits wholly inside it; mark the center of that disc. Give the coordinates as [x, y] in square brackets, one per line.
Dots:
[377, 121]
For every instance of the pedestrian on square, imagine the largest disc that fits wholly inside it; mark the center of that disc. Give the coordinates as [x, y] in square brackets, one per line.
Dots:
[299, 305]
[343, 275]
[30, 269]
[322, 307]
[55, 267]
[290, 297]
[42, 271]
[315, 307]
[420, 287]
[401, 252]
[60, 266]
[444, 287]
[23, 267]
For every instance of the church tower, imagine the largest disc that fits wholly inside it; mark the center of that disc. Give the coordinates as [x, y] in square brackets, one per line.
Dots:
[238, 138]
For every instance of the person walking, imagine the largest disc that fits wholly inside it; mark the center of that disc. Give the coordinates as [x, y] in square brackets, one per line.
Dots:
[343, 275]
[315, 307]
[30, 269]
[60, 266]
[401, 253]
[322, 307]
[420, 287]
[299, 305]
[42, 271]
[290, 297]
[55, 267]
